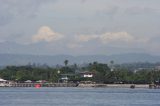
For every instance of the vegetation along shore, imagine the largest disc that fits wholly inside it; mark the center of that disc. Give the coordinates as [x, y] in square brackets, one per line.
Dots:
[135, 75]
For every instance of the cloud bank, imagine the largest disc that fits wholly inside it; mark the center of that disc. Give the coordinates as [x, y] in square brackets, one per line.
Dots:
[106, 37]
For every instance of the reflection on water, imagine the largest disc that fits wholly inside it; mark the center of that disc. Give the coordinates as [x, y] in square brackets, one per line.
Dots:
[79, 97]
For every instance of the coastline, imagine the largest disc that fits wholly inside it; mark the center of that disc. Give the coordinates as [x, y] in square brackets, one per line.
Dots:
[81, 85]
[115, 85]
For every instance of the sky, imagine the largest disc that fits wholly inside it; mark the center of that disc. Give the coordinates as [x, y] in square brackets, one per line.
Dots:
[79, 27]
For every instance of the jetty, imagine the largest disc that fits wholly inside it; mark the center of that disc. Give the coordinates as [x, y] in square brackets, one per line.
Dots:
[43, 84]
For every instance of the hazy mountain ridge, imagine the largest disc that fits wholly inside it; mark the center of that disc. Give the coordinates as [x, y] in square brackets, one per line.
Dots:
[20, 59]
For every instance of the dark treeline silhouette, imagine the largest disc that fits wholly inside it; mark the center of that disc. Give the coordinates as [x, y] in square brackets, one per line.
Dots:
[103, 73]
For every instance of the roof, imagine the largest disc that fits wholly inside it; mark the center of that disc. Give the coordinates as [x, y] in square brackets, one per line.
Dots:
[64, 78]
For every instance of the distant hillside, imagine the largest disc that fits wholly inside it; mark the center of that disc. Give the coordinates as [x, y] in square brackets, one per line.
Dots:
[17, 59]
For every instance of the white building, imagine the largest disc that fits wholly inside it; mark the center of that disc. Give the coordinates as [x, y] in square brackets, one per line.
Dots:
[28, 81]
[3, 83]
[87, 74]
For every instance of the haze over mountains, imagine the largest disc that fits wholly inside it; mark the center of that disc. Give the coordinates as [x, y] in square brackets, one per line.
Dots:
[21, 59]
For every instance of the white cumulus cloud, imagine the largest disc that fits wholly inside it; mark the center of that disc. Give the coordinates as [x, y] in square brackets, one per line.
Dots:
[45, 33]
[106, 37]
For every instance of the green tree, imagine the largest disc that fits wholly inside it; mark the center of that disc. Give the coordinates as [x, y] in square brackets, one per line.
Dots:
[66, 62]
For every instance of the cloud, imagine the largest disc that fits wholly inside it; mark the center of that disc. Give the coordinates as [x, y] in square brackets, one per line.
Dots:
[45, 33]
[116, 36]
[106, 37]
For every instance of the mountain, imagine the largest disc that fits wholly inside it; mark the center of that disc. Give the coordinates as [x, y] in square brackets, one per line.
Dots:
[20, 59]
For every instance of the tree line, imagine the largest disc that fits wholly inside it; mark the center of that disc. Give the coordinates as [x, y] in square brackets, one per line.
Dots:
[103, 73]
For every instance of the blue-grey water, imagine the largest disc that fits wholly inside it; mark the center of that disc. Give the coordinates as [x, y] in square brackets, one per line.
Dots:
[79, 97]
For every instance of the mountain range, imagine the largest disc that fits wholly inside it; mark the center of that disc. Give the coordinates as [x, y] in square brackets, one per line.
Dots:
[23, 59]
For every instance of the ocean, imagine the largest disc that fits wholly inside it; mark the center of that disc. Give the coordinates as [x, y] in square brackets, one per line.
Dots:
[79, 97]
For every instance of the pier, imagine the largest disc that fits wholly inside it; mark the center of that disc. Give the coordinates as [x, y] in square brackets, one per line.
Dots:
[43, 84]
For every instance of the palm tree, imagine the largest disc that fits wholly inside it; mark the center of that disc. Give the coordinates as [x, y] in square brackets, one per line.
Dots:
[66, 62]
[112, 65]
[112, 62]
[95, 62]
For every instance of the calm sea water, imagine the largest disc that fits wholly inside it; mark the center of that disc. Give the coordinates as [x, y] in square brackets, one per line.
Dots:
[79, 97]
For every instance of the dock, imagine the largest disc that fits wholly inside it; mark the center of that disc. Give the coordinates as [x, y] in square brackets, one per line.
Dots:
[43, 85]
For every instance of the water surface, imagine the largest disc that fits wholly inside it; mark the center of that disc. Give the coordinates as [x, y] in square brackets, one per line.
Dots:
[79, 97]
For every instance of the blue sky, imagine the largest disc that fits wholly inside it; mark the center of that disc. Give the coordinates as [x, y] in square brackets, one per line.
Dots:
[79, 27]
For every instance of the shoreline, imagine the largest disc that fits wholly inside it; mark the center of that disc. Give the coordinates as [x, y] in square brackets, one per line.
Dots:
[82, 85]
[115, 85]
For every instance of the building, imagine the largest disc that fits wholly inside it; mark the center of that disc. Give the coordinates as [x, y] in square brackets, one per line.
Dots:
[64, 78]
[28, 81]
[3, 83]
[87, 74]
[41, 81]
